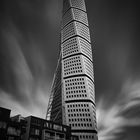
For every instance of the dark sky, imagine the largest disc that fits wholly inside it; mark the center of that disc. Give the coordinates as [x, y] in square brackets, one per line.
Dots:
[29, 48]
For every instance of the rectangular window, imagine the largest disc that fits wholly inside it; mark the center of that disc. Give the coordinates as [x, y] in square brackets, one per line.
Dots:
[3, 125]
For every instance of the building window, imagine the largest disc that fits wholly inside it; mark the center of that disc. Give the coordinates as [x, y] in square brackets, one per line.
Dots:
[14, 131]
[35, 131]
[3, 125]
[46, 124]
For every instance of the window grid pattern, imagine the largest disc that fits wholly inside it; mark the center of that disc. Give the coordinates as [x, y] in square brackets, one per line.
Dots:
[85, 48]
[80, 16]
[70, 47]
[75, 88]
[86, 136]
[88, 67]
[76, 45]
[80, 4]
[79, 116]
[72, 66]
[67, 18]
[68, 31]
[91, 90]
[74, 14]
[94, 117]
[82, 30]
[66, 6]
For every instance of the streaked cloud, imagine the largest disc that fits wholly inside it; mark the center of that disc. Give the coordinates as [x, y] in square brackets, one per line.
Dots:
[114, 119]
[28, 93]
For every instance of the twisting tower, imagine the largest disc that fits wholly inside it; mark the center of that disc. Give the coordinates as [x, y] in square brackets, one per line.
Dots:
[72, 100]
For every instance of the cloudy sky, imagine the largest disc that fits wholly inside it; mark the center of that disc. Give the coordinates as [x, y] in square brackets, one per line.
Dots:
[29, 48]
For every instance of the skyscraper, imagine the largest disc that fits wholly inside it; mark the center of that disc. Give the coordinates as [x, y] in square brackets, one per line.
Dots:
[72, 100]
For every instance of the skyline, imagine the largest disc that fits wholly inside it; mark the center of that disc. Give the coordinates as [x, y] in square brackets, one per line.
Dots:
[29, 48]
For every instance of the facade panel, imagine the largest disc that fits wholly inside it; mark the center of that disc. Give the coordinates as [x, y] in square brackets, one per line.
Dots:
[75, 29]
[82, 31]
[68, 31]
[77, 65]
[80, 16]
[80, 4]
[76, 45]
[74, 14]
[85, 48]
[72, 66]
[70, 47]
[66, 6]
[75, 88]
[77, 4]
[68, 17]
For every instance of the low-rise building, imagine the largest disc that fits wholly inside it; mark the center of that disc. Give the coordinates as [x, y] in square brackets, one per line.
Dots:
[41, 129]
[31, 128]
[11, 128]
[4, 119]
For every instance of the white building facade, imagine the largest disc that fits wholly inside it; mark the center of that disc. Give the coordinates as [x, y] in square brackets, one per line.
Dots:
[72, 100]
